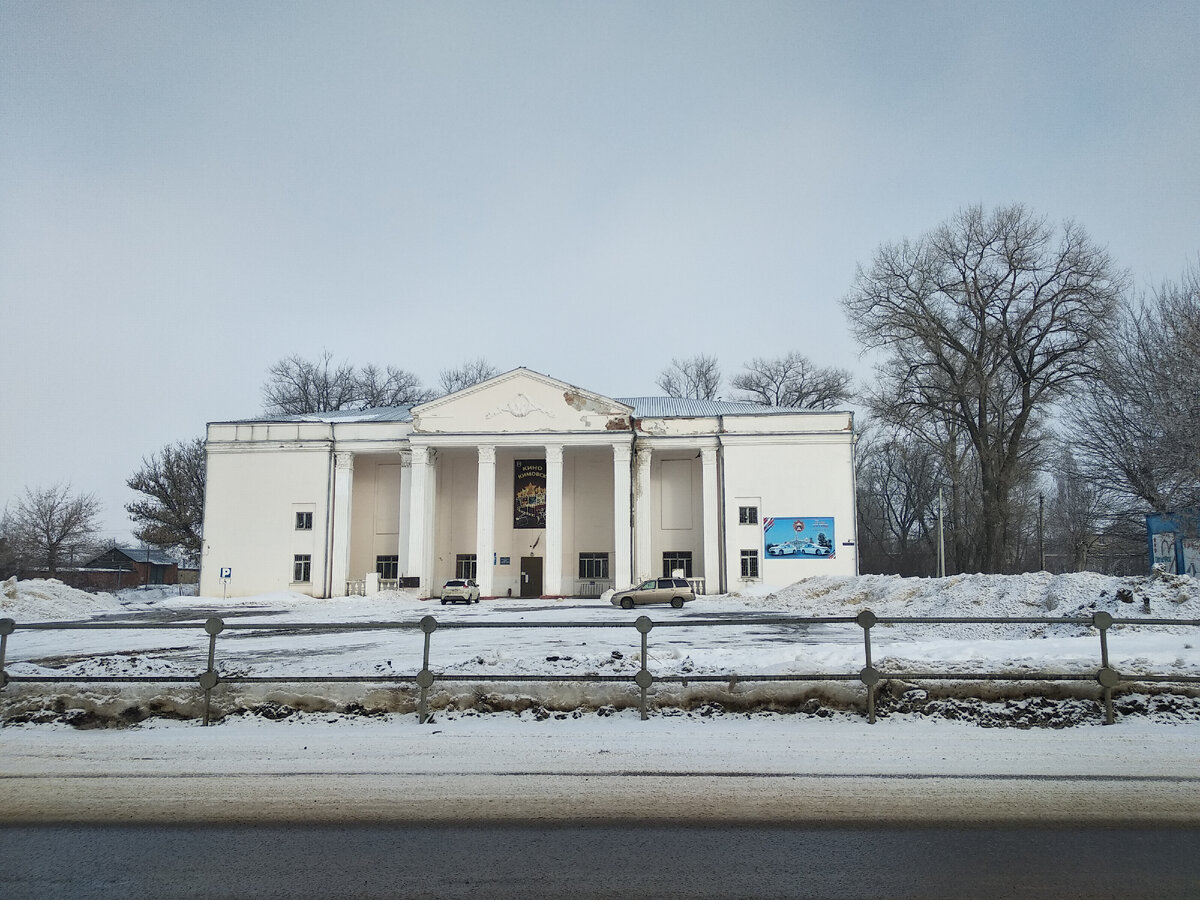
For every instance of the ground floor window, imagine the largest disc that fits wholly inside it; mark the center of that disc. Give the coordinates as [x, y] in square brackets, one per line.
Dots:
[749, 563]
[677, 559]
[302, 567]
[388, 566]
[593, 566]
[465, 565]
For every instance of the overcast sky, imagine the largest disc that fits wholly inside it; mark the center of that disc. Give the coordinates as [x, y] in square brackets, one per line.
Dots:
[191, 191]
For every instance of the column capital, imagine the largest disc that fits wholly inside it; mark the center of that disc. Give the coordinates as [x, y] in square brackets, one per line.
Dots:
[622, 453]
[554, 453]
[708, 455]
[405, 458]
[643, 456]
[343, 460]
[421, 456]
[487, 453]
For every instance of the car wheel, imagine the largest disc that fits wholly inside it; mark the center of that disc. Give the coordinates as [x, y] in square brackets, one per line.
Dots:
[626, 603]
[444, 602]
[677, 602]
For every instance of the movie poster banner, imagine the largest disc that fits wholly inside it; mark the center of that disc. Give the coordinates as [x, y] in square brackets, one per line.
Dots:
[529, 494]
[798, 537]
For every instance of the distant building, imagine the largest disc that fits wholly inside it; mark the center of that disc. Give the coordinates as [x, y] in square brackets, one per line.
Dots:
[124, 567]
[533, 487]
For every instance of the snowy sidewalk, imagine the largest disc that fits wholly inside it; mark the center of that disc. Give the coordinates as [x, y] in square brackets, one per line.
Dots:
[766, 768]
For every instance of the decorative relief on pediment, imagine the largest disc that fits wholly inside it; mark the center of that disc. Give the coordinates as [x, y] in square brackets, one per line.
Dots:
[519, 407]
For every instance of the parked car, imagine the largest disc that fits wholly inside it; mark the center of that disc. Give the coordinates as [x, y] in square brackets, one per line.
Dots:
[460, 590]
[675, 591]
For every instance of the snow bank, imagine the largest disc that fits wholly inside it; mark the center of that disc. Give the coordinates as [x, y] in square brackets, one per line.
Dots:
[48, 599]
[1037, 594]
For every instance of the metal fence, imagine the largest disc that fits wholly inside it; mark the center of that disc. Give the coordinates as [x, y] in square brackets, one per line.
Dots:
[869, 676]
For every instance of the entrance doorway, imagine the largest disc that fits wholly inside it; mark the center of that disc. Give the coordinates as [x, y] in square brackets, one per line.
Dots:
[531, 576]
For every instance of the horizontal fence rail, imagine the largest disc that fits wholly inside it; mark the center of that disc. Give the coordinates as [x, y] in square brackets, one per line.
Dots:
[1105, 675]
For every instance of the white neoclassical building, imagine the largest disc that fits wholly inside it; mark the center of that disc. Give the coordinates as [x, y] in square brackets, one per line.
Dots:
[533, 487]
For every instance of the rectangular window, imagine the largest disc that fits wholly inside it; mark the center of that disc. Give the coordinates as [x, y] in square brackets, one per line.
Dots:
[749, 563]
[677, 559]
[593, 566]
[302, 568]
[465, 565]
[747, 515]
[304, 521]
[388, 566]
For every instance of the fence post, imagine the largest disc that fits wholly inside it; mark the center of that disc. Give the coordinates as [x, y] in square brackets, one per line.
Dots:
[644, 679]
[425, 676]
[1108, 677]
[869, 675]
[7, 627]
[213, 626]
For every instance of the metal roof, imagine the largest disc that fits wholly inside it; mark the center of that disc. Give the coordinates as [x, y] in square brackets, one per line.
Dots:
[375, 414]
[685, 408]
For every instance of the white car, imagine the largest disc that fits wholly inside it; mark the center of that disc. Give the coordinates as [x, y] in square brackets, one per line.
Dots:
[460, 590]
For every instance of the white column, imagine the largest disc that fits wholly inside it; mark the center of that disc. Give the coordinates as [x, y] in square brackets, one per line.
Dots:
[643, 565]
[622, 570]
[343, 493]
[403, 529]
[485, 521]
[712, 541]
[418, 525]
[552, 582]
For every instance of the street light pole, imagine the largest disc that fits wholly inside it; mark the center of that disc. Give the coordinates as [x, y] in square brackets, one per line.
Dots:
[941, 556]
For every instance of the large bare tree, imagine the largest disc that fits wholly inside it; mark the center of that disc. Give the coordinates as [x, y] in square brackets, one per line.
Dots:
[170, 514]
[695, 378]
[49, 525]
[985, 322]
[793, 380]
[298, 386]
[1136, 428]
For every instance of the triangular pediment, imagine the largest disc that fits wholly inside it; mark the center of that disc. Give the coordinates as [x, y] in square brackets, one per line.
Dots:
[521, 401]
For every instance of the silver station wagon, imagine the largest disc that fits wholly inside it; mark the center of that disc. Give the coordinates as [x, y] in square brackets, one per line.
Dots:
[675, 591]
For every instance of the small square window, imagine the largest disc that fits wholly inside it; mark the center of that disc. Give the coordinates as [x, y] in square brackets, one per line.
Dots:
[304, 521]
[747, 515]
[593, 566]
[388, 566]
[465, 566]
[749, 563]
[302, 568]
[677, 559]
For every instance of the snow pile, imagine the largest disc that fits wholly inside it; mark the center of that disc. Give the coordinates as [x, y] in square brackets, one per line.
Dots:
[48, 599]
[1037, 594]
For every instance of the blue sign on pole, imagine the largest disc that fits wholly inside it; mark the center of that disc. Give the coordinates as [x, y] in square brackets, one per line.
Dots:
[227, 573]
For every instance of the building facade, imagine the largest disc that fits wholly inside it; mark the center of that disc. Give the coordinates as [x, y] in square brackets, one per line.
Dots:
[533, 487]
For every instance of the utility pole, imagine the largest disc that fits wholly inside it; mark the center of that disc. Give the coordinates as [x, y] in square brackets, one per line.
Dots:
[1041, 532]
[941, 559]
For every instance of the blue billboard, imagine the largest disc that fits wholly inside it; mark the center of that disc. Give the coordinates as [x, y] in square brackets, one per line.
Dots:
[798, 537]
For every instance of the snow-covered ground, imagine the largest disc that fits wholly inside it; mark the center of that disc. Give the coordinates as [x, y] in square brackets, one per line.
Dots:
[582, 644]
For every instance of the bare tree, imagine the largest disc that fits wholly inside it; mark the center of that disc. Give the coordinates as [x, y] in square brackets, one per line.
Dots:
[794, 381]
[987, 321]
[298, 386]
[696, 378]
[1075, 516]
[1136, 426]
[50, 525]
[472, 372]
[171, 512]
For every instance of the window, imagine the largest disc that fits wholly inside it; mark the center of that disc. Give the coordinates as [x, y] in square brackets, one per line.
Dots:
[304, 521]
[749, 563]
[593, 566]
[388, 566]
[302, 567]
[465, 565]
[747, 515]
[677, 559]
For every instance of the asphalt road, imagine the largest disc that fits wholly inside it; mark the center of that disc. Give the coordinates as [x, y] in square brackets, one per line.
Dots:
[510, 860]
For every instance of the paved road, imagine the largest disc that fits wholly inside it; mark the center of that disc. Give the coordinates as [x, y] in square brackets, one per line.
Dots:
[581, 861]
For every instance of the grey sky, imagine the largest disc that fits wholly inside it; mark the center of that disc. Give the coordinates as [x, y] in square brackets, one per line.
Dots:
[189, 192]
